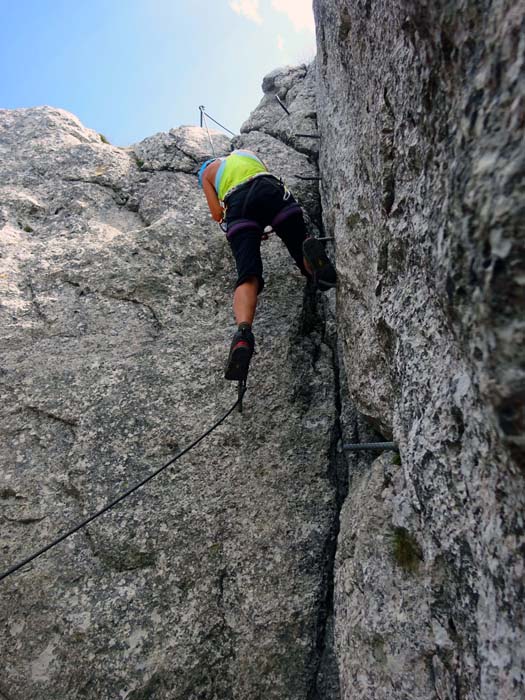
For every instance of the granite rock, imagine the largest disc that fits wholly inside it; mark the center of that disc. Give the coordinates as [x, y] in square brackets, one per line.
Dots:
[295, 89]
[181, 150]
[115, 310]
[420, 111]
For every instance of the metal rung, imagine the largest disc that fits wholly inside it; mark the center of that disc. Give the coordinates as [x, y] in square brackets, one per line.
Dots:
[303, 177]
[361, 446]
[308, 136]
[282, 105]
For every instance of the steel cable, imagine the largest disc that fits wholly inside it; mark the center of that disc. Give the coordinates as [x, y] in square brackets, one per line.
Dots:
[219, 124]
[120, 498]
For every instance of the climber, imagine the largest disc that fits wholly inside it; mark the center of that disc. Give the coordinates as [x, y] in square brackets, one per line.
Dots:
[245, 198]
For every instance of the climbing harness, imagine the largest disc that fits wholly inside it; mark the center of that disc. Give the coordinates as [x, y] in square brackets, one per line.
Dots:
[61, 538]
[243, 223]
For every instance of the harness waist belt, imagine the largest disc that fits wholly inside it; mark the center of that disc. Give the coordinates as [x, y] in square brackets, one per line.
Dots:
[247, 182]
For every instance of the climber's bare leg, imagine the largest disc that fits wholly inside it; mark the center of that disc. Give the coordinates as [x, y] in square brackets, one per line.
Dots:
[245, 301]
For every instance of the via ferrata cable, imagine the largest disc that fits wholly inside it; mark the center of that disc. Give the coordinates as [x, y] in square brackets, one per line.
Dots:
[124, 495]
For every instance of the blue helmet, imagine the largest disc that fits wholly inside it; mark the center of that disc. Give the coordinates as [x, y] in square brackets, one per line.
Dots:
[203, 168]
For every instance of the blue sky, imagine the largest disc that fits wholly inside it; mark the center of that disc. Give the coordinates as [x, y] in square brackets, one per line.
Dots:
[131, 68]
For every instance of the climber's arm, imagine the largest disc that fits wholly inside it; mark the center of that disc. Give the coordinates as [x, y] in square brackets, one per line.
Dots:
[216, 210]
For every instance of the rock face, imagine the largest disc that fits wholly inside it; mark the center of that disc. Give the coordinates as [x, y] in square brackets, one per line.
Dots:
[421, 114]
[288, 109]
[262, 564]
[213, 580]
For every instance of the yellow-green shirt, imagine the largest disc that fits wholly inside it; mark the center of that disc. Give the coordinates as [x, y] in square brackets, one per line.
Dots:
[238, 167]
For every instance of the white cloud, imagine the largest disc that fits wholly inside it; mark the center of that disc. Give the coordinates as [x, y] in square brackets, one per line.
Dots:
[247, 8]
[299, 12]
[280, 43]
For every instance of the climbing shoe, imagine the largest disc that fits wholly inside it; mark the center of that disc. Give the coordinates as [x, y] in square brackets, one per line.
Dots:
[241, 352]
[323, 272]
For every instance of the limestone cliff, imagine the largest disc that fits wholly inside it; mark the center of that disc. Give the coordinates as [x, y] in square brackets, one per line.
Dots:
[265, 563]
[421, 116]
[213, 581]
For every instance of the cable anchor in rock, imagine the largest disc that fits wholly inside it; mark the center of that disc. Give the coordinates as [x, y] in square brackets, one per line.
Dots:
[203, 114]
[373, 446]
[283, 105]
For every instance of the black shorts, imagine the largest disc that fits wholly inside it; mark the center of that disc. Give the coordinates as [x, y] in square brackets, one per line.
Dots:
[260, 201]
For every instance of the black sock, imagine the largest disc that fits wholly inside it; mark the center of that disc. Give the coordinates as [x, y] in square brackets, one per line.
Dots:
[244, 326]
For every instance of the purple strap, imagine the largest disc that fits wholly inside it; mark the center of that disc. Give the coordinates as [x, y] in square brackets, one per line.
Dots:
[286, 213]
[241, 225]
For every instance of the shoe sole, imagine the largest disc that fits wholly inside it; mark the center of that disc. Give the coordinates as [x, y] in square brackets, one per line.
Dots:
[318, 260]
[237, 368]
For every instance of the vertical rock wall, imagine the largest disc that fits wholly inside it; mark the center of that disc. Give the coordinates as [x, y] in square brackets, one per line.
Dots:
[421, 110]
[115, 293]
[217, 581]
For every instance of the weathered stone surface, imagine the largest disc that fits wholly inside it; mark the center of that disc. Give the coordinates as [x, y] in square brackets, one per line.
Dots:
[382, 652]
[420, 110]
[295, 88]
[268, 128]
[115, 291]
[182, 149]
[216, 581]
